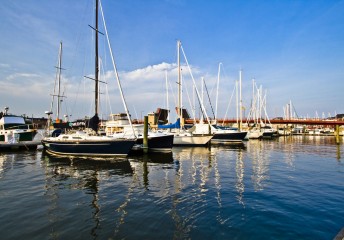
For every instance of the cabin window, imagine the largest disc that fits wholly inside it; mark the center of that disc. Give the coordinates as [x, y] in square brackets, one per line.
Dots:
[9, 126]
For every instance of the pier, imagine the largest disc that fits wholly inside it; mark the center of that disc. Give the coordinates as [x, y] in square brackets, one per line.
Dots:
[325, 122]
[334, 123]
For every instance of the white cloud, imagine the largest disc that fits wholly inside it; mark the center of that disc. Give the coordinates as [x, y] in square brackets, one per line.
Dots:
[4, 65]
[149, 72]
[19, 76]
[144, 90]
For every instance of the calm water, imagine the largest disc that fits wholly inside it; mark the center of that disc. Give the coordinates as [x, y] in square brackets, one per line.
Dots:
[290, 188]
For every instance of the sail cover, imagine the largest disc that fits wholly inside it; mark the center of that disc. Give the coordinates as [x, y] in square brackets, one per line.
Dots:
[169, 126]
[94, 123]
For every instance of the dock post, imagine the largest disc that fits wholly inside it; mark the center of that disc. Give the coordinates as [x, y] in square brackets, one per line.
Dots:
[336, 132]
[145, 135]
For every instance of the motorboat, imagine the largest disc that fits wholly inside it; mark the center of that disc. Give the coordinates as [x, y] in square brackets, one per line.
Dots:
[15, 133]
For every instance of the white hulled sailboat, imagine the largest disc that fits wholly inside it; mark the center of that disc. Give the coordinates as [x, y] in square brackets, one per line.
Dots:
[183, 137]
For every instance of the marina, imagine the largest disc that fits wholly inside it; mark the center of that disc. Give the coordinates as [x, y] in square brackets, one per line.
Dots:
[86, 156]
[286, 188]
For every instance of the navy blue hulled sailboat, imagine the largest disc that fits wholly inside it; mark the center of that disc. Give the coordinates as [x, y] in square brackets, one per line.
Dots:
[88, 142]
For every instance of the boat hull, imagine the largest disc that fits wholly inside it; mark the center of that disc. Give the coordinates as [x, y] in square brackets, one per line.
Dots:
[268, 134]
[106, 148]
[23, 135]
[18, 139]
[228, 137]
[163, 143]
[191, 140]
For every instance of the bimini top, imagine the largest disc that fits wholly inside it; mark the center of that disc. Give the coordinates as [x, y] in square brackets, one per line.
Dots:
[170, 126]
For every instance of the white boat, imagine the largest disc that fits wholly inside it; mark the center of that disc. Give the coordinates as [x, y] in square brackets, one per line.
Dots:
[220, 134]
[268, 131]
[262, 132]
[316, 131]
[262, 127]
[255, 133]
[15, 134]
[89, 143]
[298, 130]
[184, 137]
[283, 131]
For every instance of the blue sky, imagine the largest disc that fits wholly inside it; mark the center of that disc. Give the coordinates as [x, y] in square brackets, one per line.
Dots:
[294, 49]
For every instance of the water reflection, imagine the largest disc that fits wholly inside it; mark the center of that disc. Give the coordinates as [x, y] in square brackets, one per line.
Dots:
[72, 167]
[240, 170]
[316, 145]
[259, 153]
[226, 156]
[140, 164]
[181, 190]
[192, 176]
[197, 162]
[81, 174]
[8, 159]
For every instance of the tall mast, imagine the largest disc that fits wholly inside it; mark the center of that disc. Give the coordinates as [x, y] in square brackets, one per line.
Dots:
[96, 75]
[179, 83]
[167, 104]
[240, 99]
[254, 102]
[237, 101]
[115, 70]
[217, 90]
[202, 97]
[59, 83]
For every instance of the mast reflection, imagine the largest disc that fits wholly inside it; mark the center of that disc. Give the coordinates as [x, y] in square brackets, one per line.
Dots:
[194, 165]
[260, 154]
[240, 171]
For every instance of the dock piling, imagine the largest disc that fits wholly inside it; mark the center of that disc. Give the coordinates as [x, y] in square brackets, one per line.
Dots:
[145, 135]
[336, 133]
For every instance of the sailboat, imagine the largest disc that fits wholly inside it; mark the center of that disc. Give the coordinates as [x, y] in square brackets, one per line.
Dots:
[56, 127]
[88, 142]
[119, 125]
[262, 127]
[221, 134]
[184, 137]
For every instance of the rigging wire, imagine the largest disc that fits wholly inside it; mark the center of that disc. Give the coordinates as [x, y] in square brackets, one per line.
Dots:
[194, 83]
[229, 103]
[115, 69]
[211, 106]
